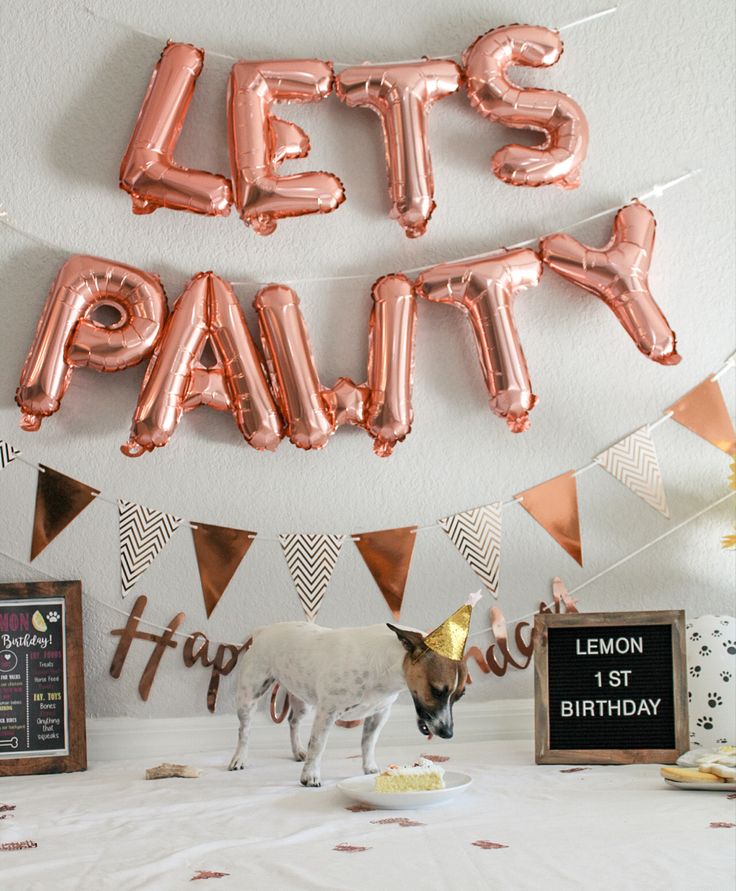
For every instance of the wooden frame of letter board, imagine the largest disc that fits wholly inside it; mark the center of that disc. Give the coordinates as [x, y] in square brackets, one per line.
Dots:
[74, 668]
[543, 754]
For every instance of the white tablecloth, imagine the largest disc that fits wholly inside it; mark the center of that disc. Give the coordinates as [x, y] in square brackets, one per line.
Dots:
[601, 828]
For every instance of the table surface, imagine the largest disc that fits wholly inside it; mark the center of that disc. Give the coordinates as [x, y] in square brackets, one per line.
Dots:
[608, 827]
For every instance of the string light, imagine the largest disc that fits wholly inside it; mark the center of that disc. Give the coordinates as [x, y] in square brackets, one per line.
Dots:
[340, 65]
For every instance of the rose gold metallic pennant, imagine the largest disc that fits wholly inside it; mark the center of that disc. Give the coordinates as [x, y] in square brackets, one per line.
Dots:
[554, 505]
[704, 411]
[59, 499]
[219, 550]
[387, 553]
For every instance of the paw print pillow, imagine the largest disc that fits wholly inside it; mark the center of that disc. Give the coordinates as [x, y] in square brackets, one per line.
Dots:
[711, 680]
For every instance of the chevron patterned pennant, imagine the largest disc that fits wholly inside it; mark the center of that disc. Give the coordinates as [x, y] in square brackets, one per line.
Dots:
[311, 560]
[476, 534]
[7, 454]
[633, 461]
[143, 533]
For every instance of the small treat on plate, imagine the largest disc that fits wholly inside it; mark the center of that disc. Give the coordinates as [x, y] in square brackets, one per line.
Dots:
[721, 770]
[688, 775]
[421, 776]
[721, 755]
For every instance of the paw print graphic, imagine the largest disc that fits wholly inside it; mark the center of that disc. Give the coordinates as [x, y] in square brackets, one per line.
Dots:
[694, 671]
[724, 622]
[716, 632]
[706, 722]
[695, 635]
[722, 740]
[714, 700]
[726, 675]
[689, 625]
[705, 650]
[52, 616]
[689, 696]
[730, 646]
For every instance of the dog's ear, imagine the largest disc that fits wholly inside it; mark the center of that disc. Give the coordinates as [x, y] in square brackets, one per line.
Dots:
[412, 641]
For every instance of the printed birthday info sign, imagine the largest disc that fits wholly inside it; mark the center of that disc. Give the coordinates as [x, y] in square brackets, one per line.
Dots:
[610, 687]
[41, 679]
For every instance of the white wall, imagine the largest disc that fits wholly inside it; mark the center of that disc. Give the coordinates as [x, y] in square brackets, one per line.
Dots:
[655, 82]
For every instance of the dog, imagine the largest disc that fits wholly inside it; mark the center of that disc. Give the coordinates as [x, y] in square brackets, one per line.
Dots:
[345, 673]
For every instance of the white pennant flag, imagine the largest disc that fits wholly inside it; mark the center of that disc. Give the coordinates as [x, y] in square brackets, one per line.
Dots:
[311, 559]
[476, 534]
[633, 462]
[7, 454]
[143, 532]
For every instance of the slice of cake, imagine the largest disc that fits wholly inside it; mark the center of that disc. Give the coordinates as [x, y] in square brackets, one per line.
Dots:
[421, 776]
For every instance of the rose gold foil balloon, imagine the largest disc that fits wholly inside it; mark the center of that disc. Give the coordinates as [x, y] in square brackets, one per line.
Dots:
[485, 290]
[557, 160]
[69, 337]
[176, 381]
[347, 401]
[148, 171]
[309, 420]
[618, 274]
[259, 142]
[402, 96]
[391, 362]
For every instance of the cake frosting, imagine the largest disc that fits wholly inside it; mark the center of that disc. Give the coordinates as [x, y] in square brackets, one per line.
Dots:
[421, 776]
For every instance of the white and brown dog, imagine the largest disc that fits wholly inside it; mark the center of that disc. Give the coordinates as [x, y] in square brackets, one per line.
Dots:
[346, 673]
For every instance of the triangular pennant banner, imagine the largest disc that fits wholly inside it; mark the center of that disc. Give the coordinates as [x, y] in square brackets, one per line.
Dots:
[476, 534]
[704, 411]
[143, 532]
[633, 461]
[311, 559]
[7, 454]
[59, 499]
[387, 553]
[219, 551]
[554, 505]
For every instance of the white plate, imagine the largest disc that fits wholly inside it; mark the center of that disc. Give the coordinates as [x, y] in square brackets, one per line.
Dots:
[361, 789]
[706, 787]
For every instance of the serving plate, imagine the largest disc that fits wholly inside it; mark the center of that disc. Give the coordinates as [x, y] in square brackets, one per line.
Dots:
[361, 789]
[703, 787]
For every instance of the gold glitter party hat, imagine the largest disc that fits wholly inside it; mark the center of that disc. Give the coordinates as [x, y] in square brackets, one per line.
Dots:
[449, 638]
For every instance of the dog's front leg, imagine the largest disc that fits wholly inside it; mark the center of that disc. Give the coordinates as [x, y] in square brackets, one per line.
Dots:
[321, 727]
[372, 727]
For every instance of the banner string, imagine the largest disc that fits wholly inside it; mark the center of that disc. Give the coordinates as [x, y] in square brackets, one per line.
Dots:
[728, 364]
[340, 65]
[656, 191]
[571, 591]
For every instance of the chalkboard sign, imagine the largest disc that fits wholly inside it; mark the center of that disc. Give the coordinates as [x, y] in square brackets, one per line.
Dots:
[610, 688]
[42, 728]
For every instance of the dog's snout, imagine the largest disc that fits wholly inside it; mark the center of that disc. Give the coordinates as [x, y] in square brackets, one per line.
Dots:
[445, 731]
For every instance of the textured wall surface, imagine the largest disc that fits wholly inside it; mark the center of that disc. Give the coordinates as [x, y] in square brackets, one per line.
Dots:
[73, 84]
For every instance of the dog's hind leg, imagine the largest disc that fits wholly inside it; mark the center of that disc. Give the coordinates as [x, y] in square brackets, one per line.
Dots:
[297, 712]
[239, 759]
[251, 686]
[372, 727]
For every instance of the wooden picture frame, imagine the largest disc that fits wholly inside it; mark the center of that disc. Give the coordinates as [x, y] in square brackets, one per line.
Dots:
[543, 751]
[50, 595]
